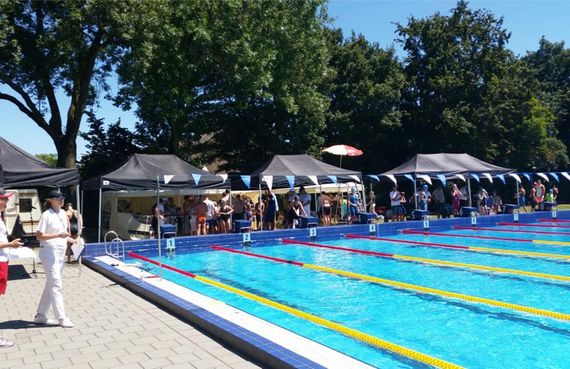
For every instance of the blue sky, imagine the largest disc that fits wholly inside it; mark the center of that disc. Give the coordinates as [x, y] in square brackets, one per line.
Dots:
[527, 20]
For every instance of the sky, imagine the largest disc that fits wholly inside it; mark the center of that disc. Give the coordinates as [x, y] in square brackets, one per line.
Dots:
[527, 21]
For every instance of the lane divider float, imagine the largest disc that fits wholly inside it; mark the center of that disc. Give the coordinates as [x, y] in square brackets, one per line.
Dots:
[512, 224]
[413, 287]
[414, 259]
[468, 248]
[493, 229]
[524, 240]
[364, 337]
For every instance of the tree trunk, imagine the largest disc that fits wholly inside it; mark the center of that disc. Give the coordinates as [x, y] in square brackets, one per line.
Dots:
[66, 152]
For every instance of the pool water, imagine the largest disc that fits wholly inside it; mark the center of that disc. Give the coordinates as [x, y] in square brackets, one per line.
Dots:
[467, 334]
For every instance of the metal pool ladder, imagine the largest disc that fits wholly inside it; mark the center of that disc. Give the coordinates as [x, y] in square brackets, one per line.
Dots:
[115, 247]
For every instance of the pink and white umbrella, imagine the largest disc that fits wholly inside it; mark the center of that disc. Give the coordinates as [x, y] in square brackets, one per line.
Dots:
[343, 150]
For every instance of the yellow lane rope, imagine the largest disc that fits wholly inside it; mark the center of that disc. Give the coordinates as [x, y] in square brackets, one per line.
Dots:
[369, 339]
[517, 252]
[548, 242]
[372, 340]
[448, 294]
[483, 267]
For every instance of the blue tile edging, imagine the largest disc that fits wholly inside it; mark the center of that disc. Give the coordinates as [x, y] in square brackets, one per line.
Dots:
[252, 345]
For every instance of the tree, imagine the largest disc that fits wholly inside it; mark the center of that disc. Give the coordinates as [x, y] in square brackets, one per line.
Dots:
[65, 46]
[551, 67]
[364, 90]
[107, 147]
[50, 159]
[233, 80]
[467, 92]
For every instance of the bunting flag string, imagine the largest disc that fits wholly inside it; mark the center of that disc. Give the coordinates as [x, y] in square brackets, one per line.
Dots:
[441, 177]
[291, 180]
[196, 178]
[333, 179]
[246, 181]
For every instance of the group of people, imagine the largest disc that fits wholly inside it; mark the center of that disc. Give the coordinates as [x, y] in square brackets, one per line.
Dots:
[57, 231]
[537, 196]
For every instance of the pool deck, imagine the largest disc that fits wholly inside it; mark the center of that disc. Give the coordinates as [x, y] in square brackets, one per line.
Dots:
[114, 328]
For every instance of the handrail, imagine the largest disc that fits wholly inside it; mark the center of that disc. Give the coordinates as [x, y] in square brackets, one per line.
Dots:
[116, 247]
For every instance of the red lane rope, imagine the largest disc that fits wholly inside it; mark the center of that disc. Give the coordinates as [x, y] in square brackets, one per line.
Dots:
[428, 233]
[165, 266]
[430, 244]
[492, 229]
[365, 252]
[532, 225]
[554, 220]
[215, 247]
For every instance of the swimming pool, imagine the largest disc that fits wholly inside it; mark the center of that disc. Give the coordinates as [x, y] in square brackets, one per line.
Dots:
[459, 331]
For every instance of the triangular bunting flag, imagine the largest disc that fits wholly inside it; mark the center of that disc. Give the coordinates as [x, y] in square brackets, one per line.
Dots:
[333, 179]
[461, 177]
[374, 177]
[441, 177]
[393, 178]
[527, 176]
[516, 177]
[168, 178]
[475, 177]
[291, 180]
[488, 176]
[314, 179]
[566, 175]
[268, 181]
[543, 176]
[224, 177]
[246, 181]
[196, 178]
[409, 176]
[502, 178]
[555, 176]
[355, 178]
[425, 177]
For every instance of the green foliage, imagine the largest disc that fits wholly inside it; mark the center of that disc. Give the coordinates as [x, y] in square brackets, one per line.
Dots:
[467, 92]
[50, 159]
[242, 74]
[108, 148]
[365, 94]
[65, 45]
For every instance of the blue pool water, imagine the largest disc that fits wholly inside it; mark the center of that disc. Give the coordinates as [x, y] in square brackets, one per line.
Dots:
[467, 334]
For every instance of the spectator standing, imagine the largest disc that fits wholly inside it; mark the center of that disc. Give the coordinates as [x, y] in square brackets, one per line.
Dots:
[455, 199]
[258, 210]
[238, 206]
[5, 244]
[439, 201]
[424, 197]
[539, 193]
[75, 227]
[271, 210]
[521, 196]
[482, 196]
[305, 200]
[53, 234]
[395, 204]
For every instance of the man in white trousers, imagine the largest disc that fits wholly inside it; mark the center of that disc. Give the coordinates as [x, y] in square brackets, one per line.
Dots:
[53, 234]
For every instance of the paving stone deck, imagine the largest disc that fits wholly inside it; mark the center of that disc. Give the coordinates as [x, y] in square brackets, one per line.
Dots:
[114, 328]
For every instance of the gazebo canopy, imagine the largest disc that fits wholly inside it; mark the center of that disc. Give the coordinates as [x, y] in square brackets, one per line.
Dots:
[446, 164]
[300, 170]
[141, 170]
[18, 169]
